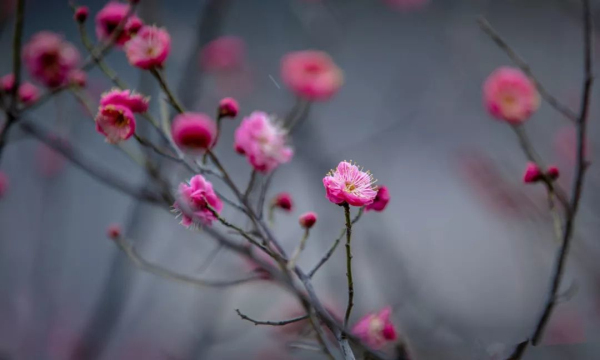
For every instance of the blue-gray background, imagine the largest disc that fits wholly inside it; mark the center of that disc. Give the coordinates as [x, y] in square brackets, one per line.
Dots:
[463, 256]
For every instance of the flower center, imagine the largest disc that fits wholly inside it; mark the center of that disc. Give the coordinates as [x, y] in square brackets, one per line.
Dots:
[350, 187]
[376, 326]
[121, 120]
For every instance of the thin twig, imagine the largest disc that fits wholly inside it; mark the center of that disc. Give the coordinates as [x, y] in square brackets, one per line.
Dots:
[272, 323]
[292, 262]
[156, 149]
[210, 258]
[348, 264]
[165, 87]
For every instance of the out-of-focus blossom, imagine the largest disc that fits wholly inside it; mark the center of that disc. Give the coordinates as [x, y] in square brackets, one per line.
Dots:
[3, 184]
[194, 198]
[109, 18]
[566, 326]
[27, 93]
[114, 231]
[115, 122]
[283, 201]
[78, 78]
[135, 102]
[406, 5]
[225, 53]
[228, 107]
[348, 184]
[510, 95]
[308, 220]
[532, 173]
[311, 75]
[376, 330]
[381, 200]
[553, 172]
[194, 131]
[81, 14]
[149, 48]
[49, 58]
[7, 83]
[263, 142]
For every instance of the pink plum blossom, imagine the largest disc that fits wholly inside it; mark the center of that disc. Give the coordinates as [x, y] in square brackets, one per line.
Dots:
[78, 78]
[109, 18]
[228, 107]
[3, 183]
[7, 83]
[348, 184]
[263, 142]
[381, 200]
[149, 48]
[116, 122]
[194, 131]
[225, 53]
[28, 93]
[194, 198]
[283, 201]
[308, 220]
[81, 14]
[135, 102]
[49, 58]
[376, 330]
[510, 95]
[532, 173]
[311, 75]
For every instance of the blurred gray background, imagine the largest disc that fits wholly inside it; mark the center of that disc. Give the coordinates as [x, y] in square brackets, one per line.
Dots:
[463, 253]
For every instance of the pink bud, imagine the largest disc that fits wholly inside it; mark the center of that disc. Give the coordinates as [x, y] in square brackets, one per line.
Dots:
[28, 93]
[194, 131]
[114, 231]
[381, 199]
[81, 14]
[283, 201]
[553, 172]
[7, 82]
[532, 173]
[389, 332]
[307, 220]
[3, 183]
[228, 107]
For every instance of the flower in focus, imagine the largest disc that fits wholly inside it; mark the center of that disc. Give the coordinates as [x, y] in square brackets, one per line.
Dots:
[381, 199]
[194, 131]
[532, 173]
[149, 48]
[225, 53]
[109, 18]
[114, 231]
[283, 201]
[194, 199]
[307, 220]
[49, 58]
[228, 107]
[137, 103]
[311, 75]
[510, 95]
[348, 184]
[3, 183]
[376, 329]
[116, 122]
[263, 142]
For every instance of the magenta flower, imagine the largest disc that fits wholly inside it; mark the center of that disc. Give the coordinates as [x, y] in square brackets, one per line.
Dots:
[307, 220]
[149, 48]
[532, 173]
[228, 107]
[116, 122]
[137, 103]
[510, 95]
[263, 142]
[28, 93]
[376, 330]
[311, 75]
[283, 201]
[3, 183]
[381, 199]
[109, 18]
[49, 58]
[194, 131]
[348, 184]
[553, 172]
[193, 199]
[225, 53]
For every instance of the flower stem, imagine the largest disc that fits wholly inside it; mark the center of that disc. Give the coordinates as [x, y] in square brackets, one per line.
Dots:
[348, 265]
[292, 263]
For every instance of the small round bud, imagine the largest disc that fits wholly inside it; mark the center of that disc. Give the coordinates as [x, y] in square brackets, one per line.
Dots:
[283, 201]
[532, 173]
[553, 172]
[194, 131]
[228, 107]
[114, 231]
[81, 14]
[307, 220]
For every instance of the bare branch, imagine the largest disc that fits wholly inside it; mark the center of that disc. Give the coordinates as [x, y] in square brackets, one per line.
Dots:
[272, 323]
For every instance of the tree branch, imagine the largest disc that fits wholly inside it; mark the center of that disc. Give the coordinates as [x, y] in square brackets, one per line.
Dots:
[272, 323]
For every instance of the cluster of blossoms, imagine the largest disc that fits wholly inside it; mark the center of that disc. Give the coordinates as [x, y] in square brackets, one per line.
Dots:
[27, 92]
[115, 119]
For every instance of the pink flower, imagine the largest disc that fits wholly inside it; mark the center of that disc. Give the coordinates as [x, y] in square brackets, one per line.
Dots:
[381, 199]
[510, 95]
[78, 78]
[225, 53]
[109, 18]
[194, 131]
[283, 201]
[376, 329]
[307, 220]
[311, 75]
[28, 93]
[406, 5]
[81, 14]
[149, 48]
[532, 173]
[49, 58]
[263, 142]
[7, 83]
[194, 199]
[348, 184]
[228, 107]
[114, 231]
[3, 183]
[116, 122]
[135, 102]
[553, 172]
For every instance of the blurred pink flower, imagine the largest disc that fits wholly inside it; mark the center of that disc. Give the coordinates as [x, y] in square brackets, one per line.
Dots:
[49, 58]
[135, 102]
[263, 142]
[116, 122]
[193, 198]
[348, 184]
[3, 184]
[532, 173]
[7, 82]
[308, 220]
[78, 78]
[283, 201]
[149, 48]
[27, 94]
[376, 330]
[553, 172]
[225, 53]
[311, 75]
[109, 18]
[81, 14]
[406, 5]
[381, 199]
[194, 131]
[114, 231]
[510, 95]
[228, 107]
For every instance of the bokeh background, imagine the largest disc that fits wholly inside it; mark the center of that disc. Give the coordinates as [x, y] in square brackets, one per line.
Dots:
[463, 253]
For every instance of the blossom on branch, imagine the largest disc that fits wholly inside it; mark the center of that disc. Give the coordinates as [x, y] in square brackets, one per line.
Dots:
[225, 53]
[510, 95]
[116, 122]
[194, 199]
[194, 131]
[109, 18]
[49, 58]
[376, 330]
[311, 75]
[381, 200]
[348, 184]
[135, 102]
[149, 48]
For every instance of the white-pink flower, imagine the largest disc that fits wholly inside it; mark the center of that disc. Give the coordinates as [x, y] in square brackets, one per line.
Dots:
[510, 95]
[311, 74]
[348, 184]
[376, 329]
[263, 142]
[193, 200]
[149, 48]
[115, 122]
